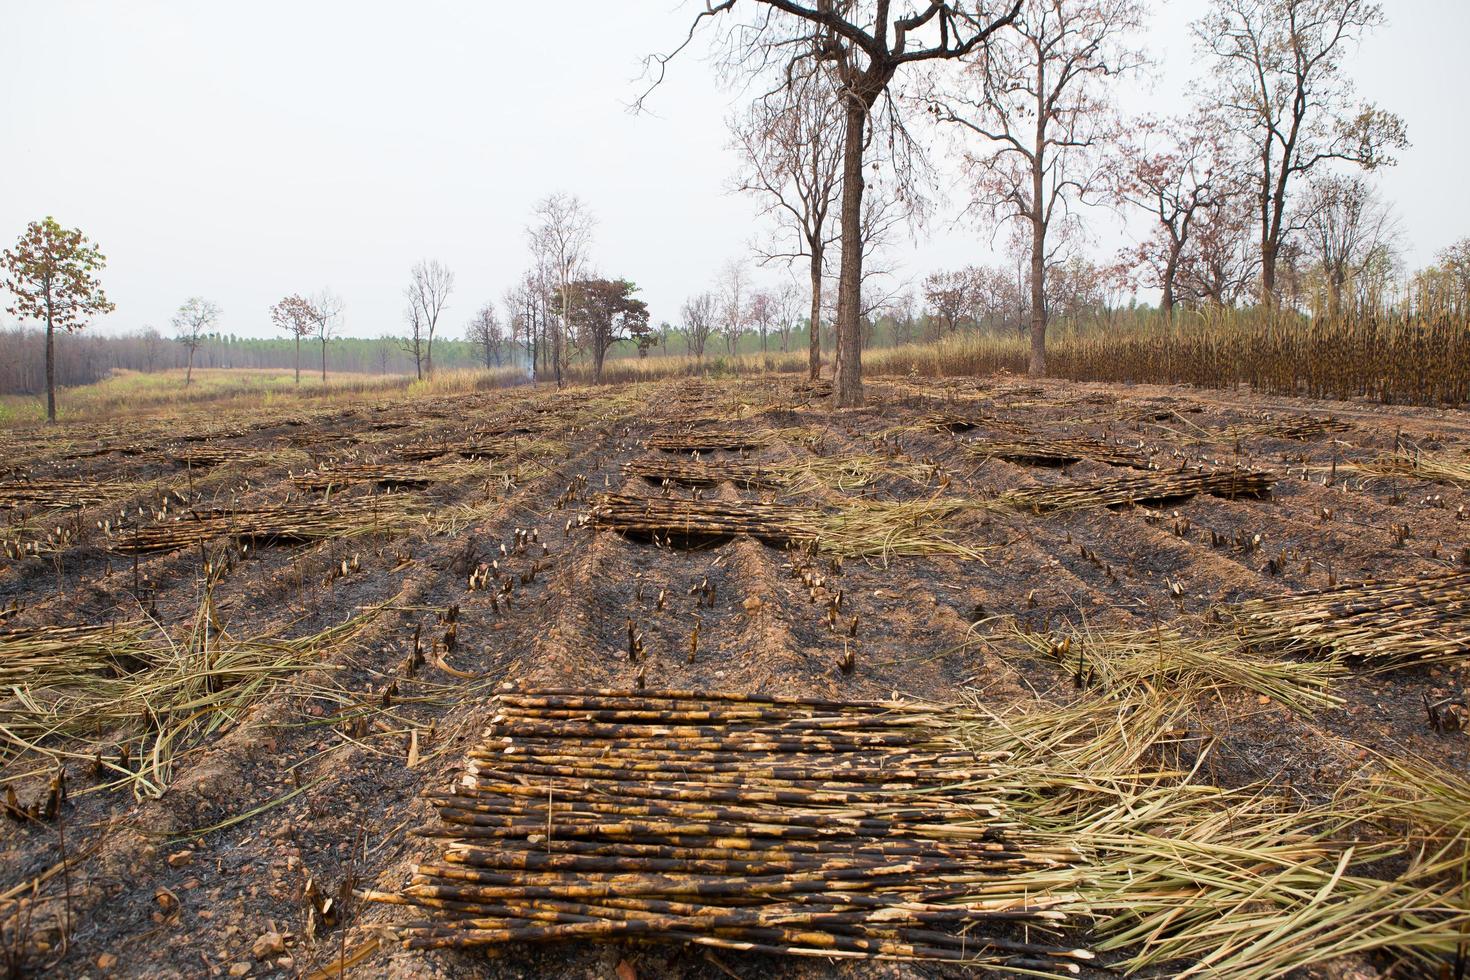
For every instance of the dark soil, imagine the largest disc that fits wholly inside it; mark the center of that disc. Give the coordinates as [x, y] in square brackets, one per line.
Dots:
[149, 893]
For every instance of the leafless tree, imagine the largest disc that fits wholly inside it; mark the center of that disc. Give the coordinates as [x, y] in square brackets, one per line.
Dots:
[763, 310]
[152, 346]
[525, 303]
[193, 321]
[413, 343]
[1279, 71]
[864, 43]
[1037, 96]
[1349, 231]
[428, 294]
[734, 302]
[326, 312]
[561, 236]
[902, 310]
[789, 304]
[700, 312]
[485, 332]
[790, 156]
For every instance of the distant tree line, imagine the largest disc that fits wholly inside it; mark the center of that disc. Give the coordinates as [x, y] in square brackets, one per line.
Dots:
[85, 358]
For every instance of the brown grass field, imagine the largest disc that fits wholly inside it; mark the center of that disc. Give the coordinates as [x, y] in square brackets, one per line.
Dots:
[240, 644]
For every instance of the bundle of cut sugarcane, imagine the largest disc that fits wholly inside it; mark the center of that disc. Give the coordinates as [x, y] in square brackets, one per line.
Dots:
[767, 824]
[41, 654]
[955, 422]
[267, 524]
[704, 474]
[1060, 452]
[706, 439]
[1150, 488]
[1302, 427]
[1383, 621]
[693, 519]
[221, 455]
[61, 493]
[471, 448]
[381, 474]
[862, 529]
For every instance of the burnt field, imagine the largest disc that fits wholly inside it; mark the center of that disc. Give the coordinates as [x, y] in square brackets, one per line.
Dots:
[245, 656]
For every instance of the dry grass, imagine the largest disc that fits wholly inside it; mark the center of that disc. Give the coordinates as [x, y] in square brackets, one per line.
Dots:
[1244, 884]
[161, 696]
[1452, 467]
[1163, 658]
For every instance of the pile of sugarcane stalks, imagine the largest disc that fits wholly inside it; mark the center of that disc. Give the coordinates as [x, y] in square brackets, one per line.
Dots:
[952, 422]
[1302, 427]
[706, 440]
[381, 474]
[696, 473]
[61, 493]
[206, 456]
[1151, 488]
[1378, 622]
[764, 824]
[41, 654]
[1061, 452]
[473, 448]
[265, 525]
[693, 521]
[862, 529]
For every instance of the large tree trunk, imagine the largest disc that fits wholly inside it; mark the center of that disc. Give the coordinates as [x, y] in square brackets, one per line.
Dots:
[298, 358]
[814, 350]
[324, 363]
[1268, 274]
[50, 370]
[1037, 367]
[847, 370]
[1170, 270]
[189, 369]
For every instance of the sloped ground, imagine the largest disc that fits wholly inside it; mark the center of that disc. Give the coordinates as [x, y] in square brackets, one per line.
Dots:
[317, 784]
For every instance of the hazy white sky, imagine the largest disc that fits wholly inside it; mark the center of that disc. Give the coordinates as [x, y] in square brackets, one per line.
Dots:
[244, 151]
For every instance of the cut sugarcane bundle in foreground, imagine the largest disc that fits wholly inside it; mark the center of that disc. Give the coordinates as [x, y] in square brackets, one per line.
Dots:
[1146, 489]
[1388, 621]
[781, 825]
